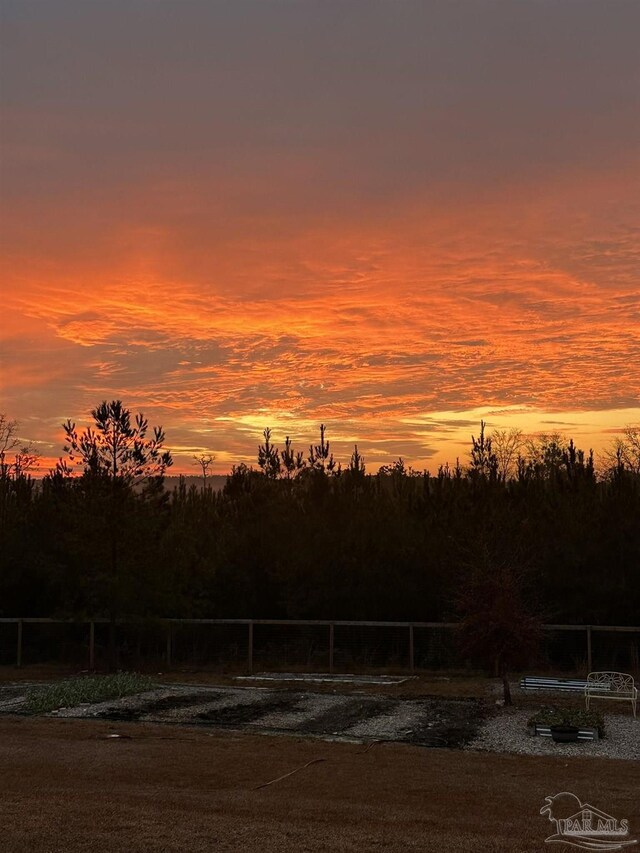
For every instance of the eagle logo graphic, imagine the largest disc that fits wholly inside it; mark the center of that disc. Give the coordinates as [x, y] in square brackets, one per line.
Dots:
[583, 825]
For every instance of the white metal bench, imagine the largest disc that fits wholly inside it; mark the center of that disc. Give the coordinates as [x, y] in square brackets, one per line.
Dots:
[534, 682]
[611, 685]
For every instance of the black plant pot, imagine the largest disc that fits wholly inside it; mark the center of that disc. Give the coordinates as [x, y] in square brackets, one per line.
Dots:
[564, 734]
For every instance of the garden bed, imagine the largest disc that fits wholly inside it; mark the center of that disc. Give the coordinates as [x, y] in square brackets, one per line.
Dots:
[432, 722]
[588, 724]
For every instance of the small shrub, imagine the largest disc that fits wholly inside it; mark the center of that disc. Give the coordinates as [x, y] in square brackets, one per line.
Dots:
[569, 717]
[91, 688]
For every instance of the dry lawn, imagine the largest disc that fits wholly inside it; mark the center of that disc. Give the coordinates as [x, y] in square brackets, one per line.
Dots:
[68, 787]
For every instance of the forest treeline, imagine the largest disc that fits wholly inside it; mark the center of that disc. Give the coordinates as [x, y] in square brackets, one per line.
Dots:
[300, 536]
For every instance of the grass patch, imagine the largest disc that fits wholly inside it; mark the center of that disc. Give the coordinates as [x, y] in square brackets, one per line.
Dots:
[569, 717]
[90, 688]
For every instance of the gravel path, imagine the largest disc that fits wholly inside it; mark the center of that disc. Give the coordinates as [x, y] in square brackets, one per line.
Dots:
[310, 705]
[401, 719]
[10, 706]
[203, 703]
[13, 696]
[508, 733]
[127, 702]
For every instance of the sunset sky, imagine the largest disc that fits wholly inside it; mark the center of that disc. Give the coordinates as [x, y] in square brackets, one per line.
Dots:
[391, 217]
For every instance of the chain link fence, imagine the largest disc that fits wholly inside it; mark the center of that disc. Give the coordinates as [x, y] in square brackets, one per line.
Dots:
[244, 645]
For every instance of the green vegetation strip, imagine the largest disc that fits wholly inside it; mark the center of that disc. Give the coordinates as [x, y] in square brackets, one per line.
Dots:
[94, 688]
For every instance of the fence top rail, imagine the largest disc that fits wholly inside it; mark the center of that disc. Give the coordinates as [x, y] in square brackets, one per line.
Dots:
[295, 622]
[290, 622]
[45, 620]
[321, 622]
[612, 628]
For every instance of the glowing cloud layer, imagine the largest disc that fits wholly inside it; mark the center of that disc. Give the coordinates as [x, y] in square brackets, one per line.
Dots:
[254, 215]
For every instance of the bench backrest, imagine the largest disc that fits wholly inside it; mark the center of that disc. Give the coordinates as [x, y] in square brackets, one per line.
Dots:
[616, 682]
[533, 682]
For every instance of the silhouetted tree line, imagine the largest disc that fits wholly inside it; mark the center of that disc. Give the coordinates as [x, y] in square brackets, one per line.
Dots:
[303, 537]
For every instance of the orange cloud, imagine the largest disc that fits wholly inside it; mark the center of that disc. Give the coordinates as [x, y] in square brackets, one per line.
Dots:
[373, 332]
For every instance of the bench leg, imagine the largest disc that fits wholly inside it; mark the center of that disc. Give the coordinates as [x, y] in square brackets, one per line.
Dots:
[633, 705]
[586, 701]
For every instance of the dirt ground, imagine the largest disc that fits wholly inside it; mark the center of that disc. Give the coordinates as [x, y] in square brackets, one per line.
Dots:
[67, 786]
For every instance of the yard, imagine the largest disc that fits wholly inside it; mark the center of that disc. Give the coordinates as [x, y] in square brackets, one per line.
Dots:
[184, 772]
[68, 786]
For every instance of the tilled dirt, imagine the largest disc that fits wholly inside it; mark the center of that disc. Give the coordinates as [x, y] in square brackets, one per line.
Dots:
[446, 723]
[239, 715]
[156, 706]
[340, 718]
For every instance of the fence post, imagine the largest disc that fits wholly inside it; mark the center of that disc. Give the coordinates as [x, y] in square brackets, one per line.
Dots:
[92, 646]
[169, 646]
[19, 644]
[589, 657]
[250, 648]
[411, 660]
[331, 647]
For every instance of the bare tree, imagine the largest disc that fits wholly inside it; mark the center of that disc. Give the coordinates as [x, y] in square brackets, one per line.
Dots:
[204, 460]
[497, 628]
[545, 452]
[624, 453]
[8, 435]
[632, 447]
[507, 445]
[25, 457]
